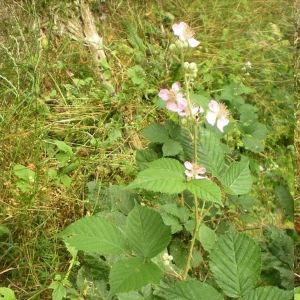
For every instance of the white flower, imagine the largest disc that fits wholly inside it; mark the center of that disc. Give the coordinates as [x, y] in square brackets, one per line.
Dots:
[185, 34]
[218, 113]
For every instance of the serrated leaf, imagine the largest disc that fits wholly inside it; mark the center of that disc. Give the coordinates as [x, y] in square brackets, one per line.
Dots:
[156, 133]
[145, 156]
[267, 293]
[23, 173]
[64, 147]
[130, 274]
[209, 151]
[171, 148]
[146, 231]
[65, 180]
[94, 234]
[237, 178]
[165, 175]
[206, 190]
[191, 290]
[181, 212]
[59, 291]
[286, 201]
[207, 237]
[235, 262]
[253, 144]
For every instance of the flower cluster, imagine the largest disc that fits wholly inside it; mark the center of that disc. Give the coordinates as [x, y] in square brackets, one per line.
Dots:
[185, 34]
[194, 171]
[167, 259]
[176, 102]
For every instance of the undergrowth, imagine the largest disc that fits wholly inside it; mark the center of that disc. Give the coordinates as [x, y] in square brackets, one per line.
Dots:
[61, 129]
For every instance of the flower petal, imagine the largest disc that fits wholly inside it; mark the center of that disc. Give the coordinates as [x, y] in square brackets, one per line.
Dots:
[164, 94]
[172, 106]
[193, 42]
[211, 118]
[222, 122]
[176, 86]
[213, 105]
[188, 165]
[178, 28]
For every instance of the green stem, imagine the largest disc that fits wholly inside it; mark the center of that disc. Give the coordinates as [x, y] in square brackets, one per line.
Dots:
[195, 160]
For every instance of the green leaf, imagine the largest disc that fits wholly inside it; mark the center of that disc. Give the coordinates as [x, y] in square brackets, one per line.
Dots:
[206, 190]
[181, 212]
[59, 291]
[253, 144]
[267, 293]
[209, 151]
[280, 245]
[171, 148]
[172, 221]
[65, 180]
[235, 263]
[248, 113]
[165, 175]
[144, 156]
[191, 290]
[64, 147]
[7, 294]
[146, 231]
[156, 133]
[23, 173]
[94, 234]
[237, 178]
[257, 130]
[207, 237]
[286, 201]
[130, 274]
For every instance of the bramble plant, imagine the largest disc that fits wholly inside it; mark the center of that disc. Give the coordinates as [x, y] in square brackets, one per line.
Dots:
[165, 235]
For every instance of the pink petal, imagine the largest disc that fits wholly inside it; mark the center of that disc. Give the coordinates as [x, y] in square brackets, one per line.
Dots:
[188, 165]
[193, 43]
[178, 28]
[213, 105]
[201, 170]
[200, 177]
[176, 86]
[172, 106]
[211, 118]
[182, 103]
[188, 173]
[164, 94]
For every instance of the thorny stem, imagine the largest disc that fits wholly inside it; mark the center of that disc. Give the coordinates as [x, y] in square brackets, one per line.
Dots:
[197, 217]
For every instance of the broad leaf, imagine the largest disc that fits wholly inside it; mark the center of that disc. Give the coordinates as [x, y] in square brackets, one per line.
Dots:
[146, 231]
[207, 237]
[286, 201]
[94, 234]
[191, 290]
[237, 178]
[267, 293]
[206, 190]
[7, 294]
[64, 147]
[164, 175]
[171, 148]
[130, 274]
[156, 133]
[209, 151]
[181, 212]
[253, 144]
[235, 263]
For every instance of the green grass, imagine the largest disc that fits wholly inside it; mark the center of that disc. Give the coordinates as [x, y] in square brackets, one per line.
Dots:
[42, 101]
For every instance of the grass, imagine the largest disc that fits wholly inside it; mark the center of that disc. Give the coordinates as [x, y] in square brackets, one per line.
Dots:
[51, 93]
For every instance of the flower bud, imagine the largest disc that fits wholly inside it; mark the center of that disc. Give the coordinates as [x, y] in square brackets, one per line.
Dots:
[172, 47]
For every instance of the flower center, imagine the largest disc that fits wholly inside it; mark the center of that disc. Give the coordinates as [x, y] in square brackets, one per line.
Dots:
[188, 32]
[172, 95]
[223, 111]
